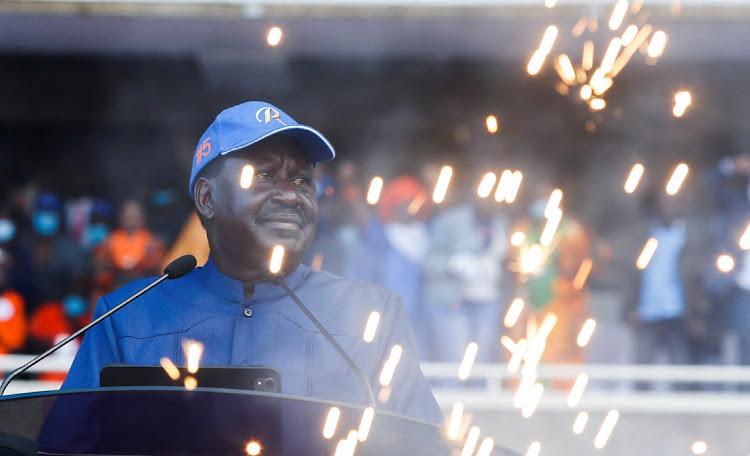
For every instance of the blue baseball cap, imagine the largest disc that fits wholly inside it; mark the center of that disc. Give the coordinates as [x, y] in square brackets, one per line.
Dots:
[248, 123]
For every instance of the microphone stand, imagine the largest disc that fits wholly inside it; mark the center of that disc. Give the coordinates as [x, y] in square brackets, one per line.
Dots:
[279, 280]
[38, 358]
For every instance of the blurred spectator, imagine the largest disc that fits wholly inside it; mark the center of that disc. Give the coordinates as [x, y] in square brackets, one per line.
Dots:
[399, 243]
[59, 264]
[99, 224]
[12, 311]
[463, 271]
[730, 182]
[20, 275]
[548, 281]
[663, 305]
[130, 252]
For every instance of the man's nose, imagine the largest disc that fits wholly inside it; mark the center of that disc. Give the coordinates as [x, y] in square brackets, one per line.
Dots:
[285, 193]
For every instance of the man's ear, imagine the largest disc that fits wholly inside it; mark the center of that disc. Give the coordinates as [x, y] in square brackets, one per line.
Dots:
[204, 197]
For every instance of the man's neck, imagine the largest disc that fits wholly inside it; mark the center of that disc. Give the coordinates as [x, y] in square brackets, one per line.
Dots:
[240, 272]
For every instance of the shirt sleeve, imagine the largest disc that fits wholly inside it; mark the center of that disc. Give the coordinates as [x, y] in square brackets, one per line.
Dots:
[409, 392]
[99, 348]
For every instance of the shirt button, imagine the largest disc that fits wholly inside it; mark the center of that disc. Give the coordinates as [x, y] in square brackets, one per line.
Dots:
[248, 312]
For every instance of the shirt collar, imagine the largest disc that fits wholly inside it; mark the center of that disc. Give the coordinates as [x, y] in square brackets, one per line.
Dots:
[230, 289]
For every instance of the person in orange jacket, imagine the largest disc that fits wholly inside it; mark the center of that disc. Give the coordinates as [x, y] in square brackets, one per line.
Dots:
[130, 252]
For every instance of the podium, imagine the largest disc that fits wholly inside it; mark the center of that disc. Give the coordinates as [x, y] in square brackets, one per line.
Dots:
[204, 421]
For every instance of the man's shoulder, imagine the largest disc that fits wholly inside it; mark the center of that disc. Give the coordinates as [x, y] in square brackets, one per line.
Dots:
[326, 279]
[178, 286]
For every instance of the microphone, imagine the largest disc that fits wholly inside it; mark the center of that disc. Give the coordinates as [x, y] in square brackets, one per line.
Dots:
[278, 279]
[174, 270]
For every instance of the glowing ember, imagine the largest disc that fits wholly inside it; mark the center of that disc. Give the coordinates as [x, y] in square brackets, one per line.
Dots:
[583, 273]
[193, 352]
[190, 383]
[628, 35]
[531, 260]
[587, 62]
[548, 233]
[647, 253]
[534, 449]
[486, 447]
[586, 92]
[618, 14]
[518, 353]
[745, 239]
[371, 327]
[657, 44]
[611, 54]
[586, 332]
[580, 423]
[518, 238]
[535, 64]
[608, 425]
[597, 104]
[699, 447]
[553, 203]
[471, 442]
[317, 261]
[486, 185]
[365, 423]
[631, 183]
[373, 193]
[524, 387]
[569, 74]
[332, 422]
[514, 186]
[277, 258]
[253, 449]
[454, 425]
[576, 391]
[274, 36]
[441, 187]
[549, 322]
[681, 102]
[246, 176]
[725, 263]
[514, 311]
[385, 394]
[548, 40]
[170, 368]
[386, 375]
[492, 124]
[534, 396]
[468, 360]
[678, 177]
[506, 180]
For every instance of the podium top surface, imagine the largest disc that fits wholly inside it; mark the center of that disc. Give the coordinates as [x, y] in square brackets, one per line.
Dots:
[172, 421]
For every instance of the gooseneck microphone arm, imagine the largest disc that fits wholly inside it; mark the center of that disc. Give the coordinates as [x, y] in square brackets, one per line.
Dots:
[174, 270]
[279, 280]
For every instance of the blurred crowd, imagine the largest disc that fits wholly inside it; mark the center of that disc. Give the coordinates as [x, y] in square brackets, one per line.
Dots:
[460, 267]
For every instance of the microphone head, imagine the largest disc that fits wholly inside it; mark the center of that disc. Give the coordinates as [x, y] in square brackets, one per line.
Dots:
[180, 267]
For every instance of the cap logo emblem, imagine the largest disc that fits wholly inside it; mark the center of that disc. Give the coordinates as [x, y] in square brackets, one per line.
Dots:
[203, 151]
[267, 114]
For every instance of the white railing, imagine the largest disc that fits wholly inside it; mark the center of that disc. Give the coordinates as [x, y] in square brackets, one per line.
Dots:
[402, 3]
[610, 386]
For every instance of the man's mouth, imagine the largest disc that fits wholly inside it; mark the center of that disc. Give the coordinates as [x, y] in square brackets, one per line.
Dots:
[285, 219]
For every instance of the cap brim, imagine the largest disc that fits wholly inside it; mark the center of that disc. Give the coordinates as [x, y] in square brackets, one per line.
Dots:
[313, 141]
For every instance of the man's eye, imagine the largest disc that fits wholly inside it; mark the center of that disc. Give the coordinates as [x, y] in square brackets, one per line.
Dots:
[301, 181]
[262, 174]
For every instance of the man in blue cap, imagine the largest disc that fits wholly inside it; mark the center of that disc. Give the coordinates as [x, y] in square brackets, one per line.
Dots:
[252, 183]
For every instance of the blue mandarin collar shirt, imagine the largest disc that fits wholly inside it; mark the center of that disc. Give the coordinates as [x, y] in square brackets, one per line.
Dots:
[269, 330]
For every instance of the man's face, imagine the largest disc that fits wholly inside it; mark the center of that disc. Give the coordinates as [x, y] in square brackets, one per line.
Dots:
[279, 207]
